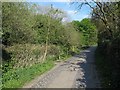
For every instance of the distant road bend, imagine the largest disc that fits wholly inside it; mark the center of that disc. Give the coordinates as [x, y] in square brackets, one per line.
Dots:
[77, 72]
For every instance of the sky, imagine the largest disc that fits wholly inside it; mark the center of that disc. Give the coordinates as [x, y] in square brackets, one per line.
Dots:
[72, 11]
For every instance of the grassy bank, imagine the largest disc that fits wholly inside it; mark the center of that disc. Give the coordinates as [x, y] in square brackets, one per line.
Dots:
[17, 78]
[24, 63]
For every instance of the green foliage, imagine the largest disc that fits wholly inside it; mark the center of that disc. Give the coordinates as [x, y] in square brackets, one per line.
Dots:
[25, 55]
[108, 43]
[87, 30]
[17, 78]
[16, 25]
[25, 63]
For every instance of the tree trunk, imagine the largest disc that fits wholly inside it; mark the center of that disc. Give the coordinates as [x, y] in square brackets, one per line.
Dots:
[46, 45]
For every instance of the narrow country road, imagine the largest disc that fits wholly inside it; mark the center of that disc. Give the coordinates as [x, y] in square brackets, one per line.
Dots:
[77, 72]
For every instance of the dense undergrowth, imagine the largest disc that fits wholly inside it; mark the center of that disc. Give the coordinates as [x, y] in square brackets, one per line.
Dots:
[108, 65]
[102, 68]
[25, 63]
[23, 55]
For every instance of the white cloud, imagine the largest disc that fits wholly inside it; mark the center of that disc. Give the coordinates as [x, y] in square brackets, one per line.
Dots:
[86, 16]
[71, 12]
[66, 19]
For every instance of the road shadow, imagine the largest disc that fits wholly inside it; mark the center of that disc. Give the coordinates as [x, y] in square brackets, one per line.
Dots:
[87, 76]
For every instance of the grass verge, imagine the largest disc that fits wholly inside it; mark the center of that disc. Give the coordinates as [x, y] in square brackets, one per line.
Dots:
[18, 77]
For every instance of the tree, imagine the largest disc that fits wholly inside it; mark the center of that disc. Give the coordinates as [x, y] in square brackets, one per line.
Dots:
[17, 21]
[88, 30]
[47, 25]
